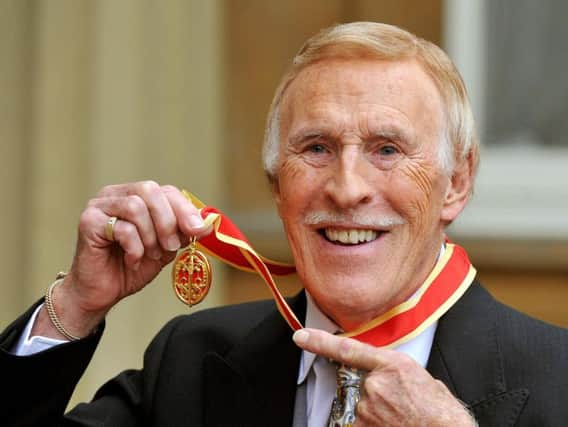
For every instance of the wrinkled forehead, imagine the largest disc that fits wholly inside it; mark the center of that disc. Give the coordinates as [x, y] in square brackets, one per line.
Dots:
[379, 86]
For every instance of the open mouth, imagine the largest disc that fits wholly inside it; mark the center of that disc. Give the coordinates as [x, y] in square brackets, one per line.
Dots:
[349, 236]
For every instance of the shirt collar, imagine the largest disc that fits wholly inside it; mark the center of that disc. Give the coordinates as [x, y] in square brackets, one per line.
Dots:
[317, 320]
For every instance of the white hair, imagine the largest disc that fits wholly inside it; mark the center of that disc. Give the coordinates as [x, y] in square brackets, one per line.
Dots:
[458, 139]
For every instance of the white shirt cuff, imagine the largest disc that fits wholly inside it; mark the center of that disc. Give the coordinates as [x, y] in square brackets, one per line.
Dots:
[26, 345]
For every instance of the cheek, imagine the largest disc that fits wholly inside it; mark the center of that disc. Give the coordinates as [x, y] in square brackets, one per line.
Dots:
[416, 192]
[291, 171]
[292, 190]
[297, 179]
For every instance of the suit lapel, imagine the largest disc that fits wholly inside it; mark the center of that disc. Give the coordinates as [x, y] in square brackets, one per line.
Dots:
[466, 356]
[255, 382]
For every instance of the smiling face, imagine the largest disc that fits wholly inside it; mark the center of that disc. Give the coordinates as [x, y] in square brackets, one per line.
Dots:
[360, 190]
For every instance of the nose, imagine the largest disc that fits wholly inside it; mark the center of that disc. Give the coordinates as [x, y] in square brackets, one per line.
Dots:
[350, 182]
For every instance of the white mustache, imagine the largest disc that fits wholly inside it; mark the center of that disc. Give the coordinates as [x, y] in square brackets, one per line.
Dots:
[362, 220]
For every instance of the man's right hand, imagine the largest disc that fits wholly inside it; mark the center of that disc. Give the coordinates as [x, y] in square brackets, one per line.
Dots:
[153, 223]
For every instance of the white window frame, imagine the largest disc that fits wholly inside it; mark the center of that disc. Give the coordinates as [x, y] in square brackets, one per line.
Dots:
[521, 192]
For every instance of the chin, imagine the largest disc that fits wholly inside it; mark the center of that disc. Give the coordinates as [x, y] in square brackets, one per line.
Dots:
[349, 300]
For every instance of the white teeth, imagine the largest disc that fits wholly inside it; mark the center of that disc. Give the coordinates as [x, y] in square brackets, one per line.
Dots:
[350, 237]
[353, 236]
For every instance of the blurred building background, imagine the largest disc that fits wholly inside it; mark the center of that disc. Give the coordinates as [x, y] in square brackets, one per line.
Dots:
[106, 91]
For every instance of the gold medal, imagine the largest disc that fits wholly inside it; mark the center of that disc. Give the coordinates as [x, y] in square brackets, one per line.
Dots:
[191, 275]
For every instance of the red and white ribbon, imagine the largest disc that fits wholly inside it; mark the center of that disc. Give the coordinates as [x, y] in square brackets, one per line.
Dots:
[449, 279]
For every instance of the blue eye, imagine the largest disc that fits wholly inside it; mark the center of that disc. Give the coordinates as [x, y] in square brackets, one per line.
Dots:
[387, 150]
[317, 148]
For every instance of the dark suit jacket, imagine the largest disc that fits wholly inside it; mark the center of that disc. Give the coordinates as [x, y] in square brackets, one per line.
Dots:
[237, 366]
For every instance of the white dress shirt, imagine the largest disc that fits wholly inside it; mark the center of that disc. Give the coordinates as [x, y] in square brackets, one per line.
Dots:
[320, 373]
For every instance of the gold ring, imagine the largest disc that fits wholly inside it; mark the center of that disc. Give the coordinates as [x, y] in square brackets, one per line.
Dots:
[109, 228]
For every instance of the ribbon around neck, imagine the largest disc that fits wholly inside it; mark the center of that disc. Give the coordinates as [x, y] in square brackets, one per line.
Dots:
[447, 282]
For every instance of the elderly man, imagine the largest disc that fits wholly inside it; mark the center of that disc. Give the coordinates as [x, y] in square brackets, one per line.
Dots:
[371, 152]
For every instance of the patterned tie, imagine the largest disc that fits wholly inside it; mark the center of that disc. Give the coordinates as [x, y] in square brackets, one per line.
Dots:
[346, 397]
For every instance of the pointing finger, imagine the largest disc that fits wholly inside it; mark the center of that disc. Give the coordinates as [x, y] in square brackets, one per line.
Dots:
[340, 349]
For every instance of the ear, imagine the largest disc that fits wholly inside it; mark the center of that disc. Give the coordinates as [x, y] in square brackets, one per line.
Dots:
[458, 191]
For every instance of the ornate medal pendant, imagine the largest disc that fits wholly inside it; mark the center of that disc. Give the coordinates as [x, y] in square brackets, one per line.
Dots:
[191, 275]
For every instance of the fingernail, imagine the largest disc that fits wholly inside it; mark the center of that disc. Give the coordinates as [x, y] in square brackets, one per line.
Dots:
[301, 336]
[173, 243]
[195, 221]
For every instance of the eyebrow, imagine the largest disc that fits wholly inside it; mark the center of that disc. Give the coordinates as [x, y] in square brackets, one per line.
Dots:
[308, 132]
[388, 134]
[393, 132]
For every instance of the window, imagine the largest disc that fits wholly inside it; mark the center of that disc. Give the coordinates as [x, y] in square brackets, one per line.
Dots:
[513, 56]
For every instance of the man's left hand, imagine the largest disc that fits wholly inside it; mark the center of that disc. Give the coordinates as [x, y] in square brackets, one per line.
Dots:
[396, 390]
